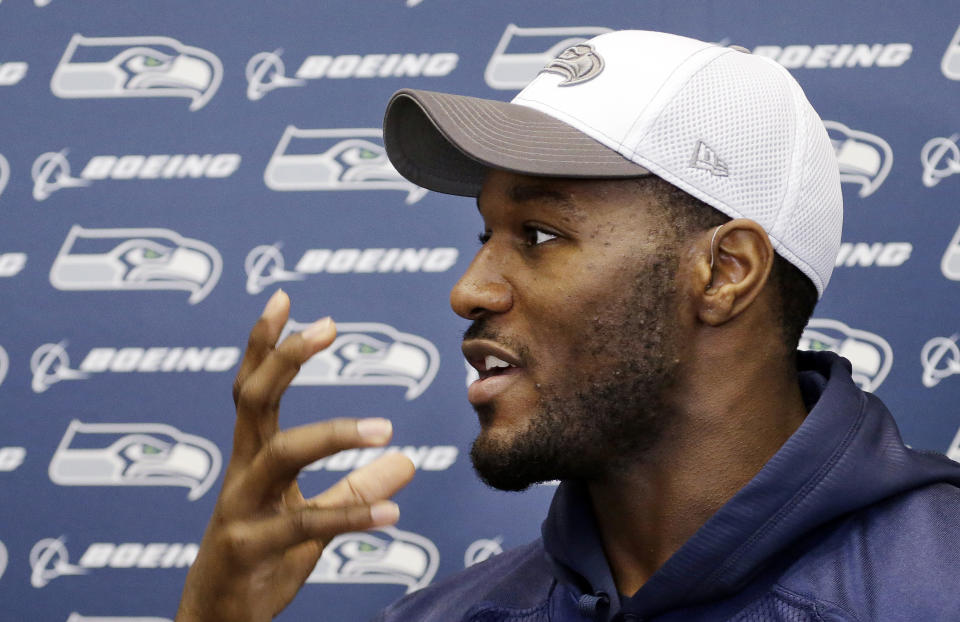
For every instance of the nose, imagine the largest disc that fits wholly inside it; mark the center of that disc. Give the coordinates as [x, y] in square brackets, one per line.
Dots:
[482, 290]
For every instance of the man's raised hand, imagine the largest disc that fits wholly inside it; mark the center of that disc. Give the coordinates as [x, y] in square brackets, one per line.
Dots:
[264, 537]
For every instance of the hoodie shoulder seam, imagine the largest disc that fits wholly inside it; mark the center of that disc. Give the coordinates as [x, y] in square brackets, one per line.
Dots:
[816, 605]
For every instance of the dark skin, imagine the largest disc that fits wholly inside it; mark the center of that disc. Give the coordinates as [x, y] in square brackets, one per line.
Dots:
[556, 250]
[736, 398]
[738, 401]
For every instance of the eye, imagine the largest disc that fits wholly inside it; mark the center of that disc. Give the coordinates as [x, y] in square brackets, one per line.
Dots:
[535, 236]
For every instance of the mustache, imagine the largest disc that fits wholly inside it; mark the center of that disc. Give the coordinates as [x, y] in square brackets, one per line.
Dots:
[481, 329]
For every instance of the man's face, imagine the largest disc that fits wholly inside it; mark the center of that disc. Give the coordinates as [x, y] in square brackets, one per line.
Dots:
[573, 303]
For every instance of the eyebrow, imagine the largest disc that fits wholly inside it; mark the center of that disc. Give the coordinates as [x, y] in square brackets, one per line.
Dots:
[527, 193]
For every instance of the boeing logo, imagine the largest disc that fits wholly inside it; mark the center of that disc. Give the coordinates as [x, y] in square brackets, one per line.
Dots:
[870, 356]
[385, 555]
[940, 358]
[836, 56]
[49, 558]
[879, 254]
[134, 454]
[50, 363]
[266, 72]
[11, 72]
[265, 264]
[522, 53]
[120, 67]
[337, 159]
[865, 159]
[424, 458]
[12, 263]
[135, 259]
[11, 458]
[940, 158]
[51, 170]
[368, 353]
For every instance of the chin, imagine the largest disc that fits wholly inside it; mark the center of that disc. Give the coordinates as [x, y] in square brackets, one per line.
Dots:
[505, 461]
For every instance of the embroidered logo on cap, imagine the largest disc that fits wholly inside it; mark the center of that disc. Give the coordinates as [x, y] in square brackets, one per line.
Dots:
[706, 158]
[577, 64]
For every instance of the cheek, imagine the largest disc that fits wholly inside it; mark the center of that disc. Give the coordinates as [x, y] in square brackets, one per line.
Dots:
[583, 319]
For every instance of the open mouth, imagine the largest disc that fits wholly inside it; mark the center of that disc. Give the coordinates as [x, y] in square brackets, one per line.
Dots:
[493, 366]
[498, 369]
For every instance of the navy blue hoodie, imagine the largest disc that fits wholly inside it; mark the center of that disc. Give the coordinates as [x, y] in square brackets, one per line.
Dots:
[843, 523]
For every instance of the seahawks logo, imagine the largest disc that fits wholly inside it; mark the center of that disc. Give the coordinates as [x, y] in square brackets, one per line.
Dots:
[136, 67]
[370, 353]
[135, 259]
[335, 159]
[865, 159]
[386, 555]
[134, 454]
[577, 64]
[870, 355]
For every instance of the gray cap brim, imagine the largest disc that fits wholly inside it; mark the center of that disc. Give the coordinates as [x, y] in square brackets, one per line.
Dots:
[447, 143]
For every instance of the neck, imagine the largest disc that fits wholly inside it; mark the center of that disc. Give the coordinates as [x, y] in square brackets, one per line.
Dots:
[720, 436]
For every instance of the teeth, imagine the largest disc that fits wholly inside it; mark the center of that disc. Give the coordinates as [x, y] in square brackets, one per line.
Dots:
[492, 362]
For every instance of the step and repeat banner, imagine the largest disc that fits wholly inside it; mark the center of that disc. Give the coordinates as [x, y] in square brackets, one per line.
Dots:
[164, 167]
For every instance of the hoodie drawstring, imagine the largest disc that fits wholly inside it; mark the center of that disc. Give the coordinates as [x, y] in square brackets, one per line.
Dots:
[591, 604]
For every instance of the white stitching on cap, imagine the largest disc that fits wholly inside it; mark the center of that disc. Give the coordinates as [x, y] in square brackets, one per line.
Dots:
[485, 123]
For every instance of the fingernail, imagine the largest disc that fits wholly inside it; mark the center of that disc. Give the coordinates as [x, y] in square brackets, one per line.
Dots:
[274, 304]
[375, 429]
[384, 513]
[317, 330]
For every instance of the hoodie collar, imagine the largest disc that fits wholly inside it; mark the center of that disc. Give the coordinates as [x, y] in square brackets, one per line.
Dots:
[827, 468]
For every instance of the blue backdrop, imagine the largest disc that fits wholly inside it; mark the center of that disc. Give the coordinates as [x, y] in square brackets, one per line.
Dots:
[164, 167]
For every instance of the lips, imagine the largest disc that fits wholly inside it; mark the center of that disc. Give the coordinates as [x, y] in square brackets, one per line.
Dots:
[497, 366]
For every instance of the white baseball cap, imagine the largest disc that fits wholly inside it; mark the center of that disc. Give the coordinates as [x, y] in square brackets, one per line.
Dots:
[728, 127]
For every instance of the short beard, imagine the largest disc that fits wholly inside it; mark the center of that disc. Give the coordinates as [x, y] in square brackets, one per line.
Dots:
[610, 416]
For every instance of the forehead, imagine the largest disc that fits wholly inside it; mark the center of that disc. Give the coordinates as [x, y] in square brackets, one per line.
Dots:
[577, 200]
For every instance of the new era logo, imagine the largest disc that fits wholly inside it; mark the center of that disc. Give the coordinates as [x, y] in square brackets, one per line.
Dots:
[707, 159]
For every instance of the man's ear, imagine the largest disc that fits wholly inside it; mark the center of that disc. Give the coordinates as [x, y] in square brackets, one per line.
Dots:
[732, 264]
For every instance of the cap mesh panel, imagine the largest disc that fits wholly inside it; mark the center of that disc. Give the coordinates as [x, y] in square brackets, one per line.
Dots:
[814, 227]
[743, 113]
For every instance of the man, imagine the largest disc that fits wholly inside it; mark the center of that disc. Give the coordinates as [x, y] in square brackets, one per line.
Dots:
[660, 217]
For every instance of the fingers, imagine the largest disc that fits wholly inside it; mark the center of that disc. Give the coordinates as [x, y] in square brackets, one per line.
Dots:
[256, 539]
[373, 482]
[263, 388]
[277, 464]
[263, 336]
[262, 339]
[266, 371]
